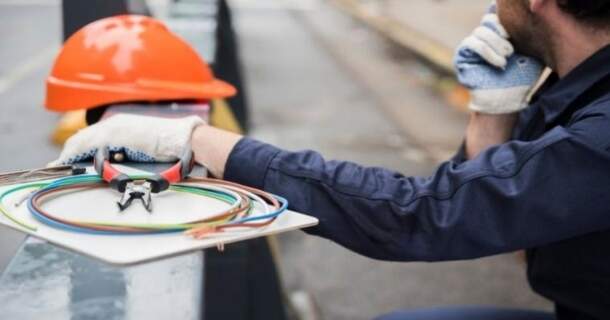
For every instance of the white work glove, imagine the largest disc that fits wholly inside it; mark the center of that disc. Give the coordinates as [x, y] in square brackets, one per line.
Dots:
[499, 79]
[140, 138]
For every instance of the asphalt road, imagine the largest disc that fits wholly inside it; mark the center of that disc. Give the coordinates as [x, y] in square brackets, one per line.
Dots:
[316, 81]
[30, 33]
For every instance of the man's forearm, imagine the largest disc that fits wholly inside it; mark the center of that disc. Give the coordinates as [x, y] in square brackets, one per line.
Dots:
[212, 148]
[487, 130]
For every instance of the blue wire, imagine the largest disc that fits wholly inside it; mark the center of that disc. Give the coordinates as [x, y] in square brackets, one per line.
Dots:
[93, 179]
[274, 214]
[59, 225]
[67, 227]
[71, 180]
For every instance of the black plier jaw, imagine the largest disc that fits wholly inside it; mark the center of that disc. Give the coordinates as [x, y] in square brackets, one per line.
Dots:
[141, 188]
[136, 190]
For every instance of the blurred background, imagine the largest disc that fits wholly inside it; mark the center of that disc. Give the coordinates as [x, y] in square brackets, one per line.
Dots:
[363, 80]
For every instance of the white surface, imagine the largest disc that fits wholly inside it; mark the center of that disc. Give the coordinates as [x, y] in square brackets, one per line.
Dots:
[168, 207]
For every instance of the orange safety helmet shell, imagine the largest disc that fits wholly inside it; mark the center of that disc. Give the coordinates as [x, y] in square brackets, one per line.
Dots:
[128, 58]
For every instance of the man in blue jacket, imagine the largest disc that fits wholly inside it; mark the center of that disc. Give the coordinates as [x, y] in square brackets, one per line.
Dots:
[532, 174]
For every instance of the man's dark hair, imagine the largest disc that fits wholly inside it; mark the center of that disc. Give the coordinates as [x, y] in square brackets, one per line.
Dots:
[596, 12]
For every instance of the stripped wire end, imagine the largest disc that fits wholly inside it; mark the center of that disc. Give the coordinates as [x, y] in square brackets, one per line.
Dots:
[25, 197]
[202, 232]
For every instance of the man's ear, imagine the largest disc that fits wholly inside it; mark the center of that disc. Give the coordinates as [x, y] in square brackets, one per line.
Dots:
[537, 5]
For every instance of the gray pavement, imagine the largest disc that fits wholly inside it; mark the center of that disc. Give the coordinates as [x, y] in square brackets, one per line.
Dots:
[30, 32]
[30, 37]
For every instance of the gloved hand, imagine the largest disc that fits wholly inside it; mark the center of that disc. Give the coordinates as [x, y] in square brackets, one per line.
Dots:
[499, 79]
[141, 138]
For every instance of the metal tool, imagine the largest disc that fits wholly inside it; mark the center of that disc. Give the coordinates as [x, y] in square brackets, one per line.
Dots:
[141, 188]
[136, 190]
[40, 174]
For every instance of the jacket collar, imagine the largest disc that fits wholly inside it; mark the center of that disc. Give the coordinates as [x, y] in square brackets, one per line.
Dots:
[560, 95]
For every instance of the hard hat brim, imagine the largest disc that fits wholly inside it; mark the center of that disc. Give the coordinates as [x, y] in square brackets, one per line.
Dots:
[65, 95]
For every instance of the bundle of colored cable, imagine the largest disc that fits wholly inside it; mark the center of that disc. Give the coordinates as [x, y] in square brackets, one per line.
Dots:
[240, 214]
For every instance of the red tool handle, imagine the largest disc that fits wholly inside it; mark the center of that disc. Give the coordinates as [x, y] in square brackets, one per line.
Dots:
[159, 182]
[181, 169]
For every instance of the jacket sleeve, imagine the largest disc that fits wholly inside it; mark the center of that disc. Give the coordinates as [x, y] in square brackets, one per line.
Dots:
[514, 196]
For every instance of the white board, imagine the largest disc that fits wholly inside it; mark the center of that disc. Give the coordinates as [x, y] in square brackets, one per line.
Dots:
[131, 249]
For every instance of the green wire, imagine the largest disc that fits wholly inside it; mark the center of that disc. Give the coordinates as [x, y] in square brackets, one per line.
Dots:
[10, 216]
[178, 188]
[96, 179]
[7, 213]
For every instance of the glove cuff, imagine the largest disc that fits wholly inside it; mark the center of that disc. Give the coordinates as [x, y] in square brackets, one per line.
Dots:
[172, 142]
[499, 101]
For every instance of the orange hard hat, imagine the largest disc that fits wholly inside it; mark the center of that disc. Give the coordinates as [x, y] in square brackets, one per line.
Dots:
[128, 58]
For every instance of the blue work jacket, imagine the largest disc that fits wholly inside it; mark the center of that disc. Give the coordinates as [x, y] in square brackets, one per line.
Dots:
[546, 190]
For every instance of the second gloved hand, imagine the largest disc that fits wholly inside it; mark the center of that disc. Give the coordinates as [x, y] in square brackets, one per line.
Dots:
[499, 79]
[141, 138]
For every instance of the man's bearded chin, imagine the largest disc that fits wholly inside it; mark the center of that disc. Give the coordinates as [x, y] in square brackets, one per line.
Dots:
[532, 41]
[527, 33]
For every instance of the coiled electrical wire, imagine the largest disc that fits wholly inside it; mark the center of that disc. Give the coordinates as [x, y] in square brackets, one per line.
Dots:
[241, 200]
